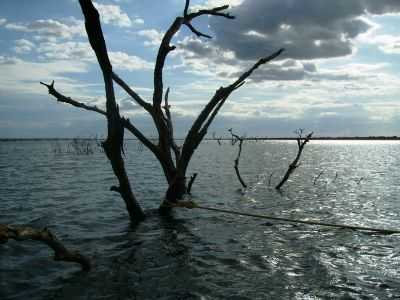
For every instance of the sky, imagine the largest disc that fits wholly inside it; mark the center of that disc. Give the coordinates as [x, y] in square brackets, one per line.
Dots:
[339, 74]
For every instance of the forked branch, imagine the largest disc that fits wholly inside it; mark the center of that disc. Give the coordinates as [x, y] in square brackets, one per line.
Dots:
[207, 115]
[61, 253]
[301, 142]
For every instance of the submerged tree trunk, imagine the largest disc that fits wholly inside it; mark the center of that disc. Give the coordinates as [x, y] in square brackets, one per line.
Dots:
[113, 145]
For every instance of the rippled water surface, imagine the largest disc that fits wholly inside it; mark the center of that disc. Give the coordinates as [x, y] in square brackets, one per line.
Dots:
[198, 254]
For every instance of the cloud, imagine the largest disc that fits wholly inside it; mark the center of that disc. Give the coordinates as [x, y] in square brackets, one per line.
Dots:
[153, 36]
[82, 52]
[112, 14]
[3, 21]
[23, 46]
[50, 28]
[76, 51]
[389, 44]
[308, 29]
[21, 76]
[123, 61]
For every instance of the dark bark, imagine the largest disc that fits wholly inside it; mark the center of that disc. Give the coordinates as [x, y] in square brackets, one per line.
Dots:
[301, 142]
[192, 179]
[61, 253]
[235, 139]
[165, 148]
[113, 145]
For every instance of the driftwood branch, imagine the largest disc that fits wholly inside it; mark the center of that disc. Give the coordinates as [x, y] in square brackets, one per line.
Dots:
[236, 138]
[61, 253]
[301, 142]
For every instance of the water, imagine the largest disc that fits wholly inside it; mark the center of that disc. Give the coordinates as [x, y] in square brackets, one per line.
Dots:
[199, 254]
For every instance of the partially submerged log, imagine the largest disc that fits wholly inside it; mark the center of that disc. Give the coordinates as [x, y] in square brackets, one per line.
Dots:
[61, 253]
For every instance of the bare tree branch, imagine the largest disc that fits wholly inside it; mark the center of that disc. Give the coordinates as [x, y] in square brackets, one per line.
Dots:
[196, 32]
[236, 138]
[211, 12]
[132, 93]
[185, 11]
[198, 131]
[62, 98]
[301, 142]
[168, 120]
[61, 253]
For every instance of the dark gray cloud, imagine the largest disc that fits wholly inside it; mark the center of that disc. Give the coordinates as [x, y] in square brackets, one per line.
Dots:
[308, 29]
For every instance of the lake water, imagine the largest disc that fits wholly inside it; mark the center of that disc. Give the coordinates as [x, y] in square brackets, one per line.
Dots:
[198, 254]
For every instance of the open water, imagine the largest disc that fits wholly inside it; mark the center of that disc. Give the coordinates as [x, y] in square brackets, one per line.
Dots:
[198, 254]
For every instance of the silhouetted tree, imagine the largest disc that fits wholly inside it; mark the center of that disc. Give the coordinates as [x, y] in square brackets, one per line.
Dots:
[174, 160]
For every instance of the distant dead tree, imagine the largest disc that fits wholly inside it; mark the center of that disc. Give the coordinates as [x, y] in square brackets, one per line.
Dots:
[235, 139]
[270, 178]
[336, 177]
[61, 253]
[318, 176]
[174, 160]
[218, 139]
[301, 142]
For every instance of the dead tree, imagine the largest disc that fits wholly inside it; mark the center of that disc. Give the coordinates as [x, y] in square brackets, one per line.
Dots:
[61, 253]
[301, 142]
[218, 139]
[235, 139]
[317, 177]
[174, 160]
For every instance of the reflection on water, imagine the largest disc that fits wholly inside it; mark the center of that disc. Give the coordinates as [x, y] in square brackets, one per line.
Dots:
[205, 255]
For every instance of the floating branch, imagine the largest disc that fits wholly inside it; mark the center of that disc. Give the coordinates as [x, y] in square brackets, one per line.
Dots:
[21, 233]
[301, 142]
[236, 138]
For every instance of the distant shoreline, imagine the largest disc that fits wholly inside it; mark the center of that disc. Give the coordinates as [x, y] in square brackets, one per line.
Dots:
[352, 138]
